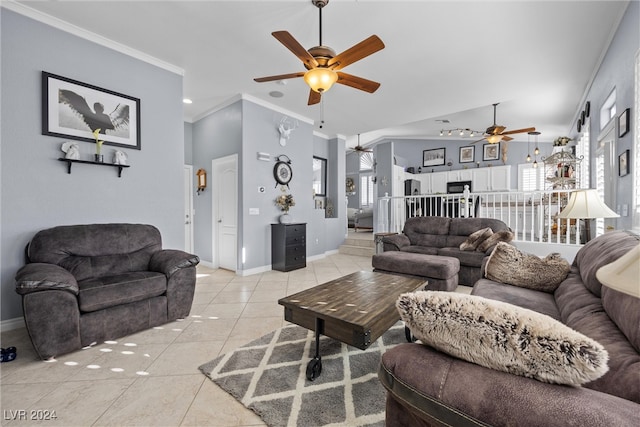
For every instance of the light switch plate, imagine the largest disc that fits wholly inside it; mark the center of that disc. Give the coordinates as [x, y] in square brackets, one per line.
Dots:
[254, 211]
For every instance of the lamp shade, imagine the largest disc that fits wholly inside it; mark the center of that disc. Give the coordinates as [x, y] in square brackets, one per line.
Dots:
[320, 79]
[586, 204]
[622, 274]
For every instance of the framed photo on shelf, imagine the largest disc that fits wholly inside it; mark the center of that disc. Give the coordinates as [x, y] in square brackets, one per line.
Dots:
[623, 163]
[433, 157]
[623, 123]
[467, 154]
[74, 110]
[490, 152]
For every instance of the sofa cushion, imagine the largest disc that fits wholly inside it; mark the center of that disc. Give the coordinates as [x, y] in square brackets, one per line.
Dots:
[507, 264]
[470, 259]
[582, 311]
[96, 249]
[427, 231]
[499, 236]
[475, 238]
[624, 310]
[541, 302]
[466, 226]
[602, 251]
[108, 291]
[503, 337]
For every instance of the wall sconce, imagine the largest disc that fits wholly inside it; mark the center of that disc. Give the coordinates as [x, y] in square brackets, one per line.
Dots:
[202, 180]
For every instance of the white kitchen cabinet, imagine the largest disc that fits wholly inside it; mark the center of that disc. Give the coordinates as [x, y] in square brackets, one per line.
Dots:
[481, 180]
[500, 178]
[439, 182]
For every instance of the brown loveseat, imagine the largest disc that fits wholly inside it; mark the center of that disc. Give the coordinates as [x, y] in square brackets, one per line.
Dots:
[84, 284]
[434, 235]
[429, 388]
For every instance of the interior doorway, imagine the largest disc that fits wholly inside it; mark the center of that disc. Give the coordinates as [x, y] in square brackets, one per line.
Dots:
[188, 208]
[224, 173]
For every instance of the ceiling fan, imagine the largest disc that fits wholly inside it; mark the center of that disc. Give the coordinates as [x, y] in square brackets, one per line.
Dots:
[360, 149]
[323, 65]
[495, 133]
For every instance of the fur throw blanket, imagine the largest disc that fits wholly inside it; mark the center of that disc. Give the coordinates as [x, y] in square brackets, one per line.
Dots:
[503, 337]
[509, 265]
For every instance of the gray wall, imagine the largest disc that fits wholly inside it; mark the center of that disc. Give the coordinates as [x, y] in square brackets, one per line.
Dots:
[37, 192]
[246, 128]
[188, 144]
[617, 71]
[214, 136]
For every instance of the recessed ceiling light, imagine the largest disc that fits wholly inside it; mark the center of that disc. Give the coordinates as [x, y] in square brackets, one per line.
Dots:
[276, 94]
[187, 101]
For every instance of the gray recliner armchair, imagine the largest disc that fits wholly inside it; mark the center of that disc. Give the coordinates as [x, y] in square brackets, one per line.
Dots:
[84, 284]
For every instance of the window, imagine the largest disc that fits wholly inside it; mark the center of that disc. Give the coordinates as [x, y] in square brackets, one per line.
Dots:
[319, 176]
[608, 110]
[582, 151]
[366, 161]
[366, 189]
[530, 178]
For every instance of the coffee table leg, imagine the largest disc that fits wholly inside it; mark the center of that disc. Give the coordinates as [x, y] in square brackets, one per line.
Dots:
[314, 367]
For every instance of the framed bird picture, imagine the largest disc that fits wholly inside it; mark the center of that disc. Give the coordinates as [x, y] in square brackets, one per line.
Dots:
[75, 110]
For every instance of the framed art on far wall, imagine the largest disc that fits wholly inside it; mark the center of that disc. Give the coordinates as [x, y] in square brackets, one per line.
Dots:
[467, 154]
[623, 123]
[490, 152]
[623, 163]
[433, 157]
[72, 109]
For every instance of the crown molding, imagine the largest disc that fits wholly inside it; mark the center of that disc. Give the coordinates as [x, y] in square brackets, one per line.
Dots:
[88, 35]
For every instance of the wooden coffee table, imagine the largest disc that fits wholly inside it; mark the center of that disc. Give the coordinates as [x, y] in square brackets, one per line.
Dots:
[355, 309]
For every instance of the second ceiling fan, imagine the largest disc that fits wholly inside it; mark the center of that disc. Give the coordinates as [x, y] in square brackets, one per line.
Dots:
[496, 133]
[323, 65]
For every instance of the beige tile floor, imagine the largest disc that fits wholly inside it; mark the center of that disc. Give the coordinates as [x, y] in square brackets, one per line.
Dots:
[151, 378]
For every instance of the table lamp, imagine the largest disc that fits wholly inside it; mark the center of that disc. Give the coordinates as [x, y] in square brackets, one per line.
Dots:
[585, 204]
[622, 274]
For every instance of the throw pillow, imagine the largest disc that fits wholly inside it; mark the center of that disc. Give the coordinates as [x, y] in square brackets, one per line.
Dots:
[507, 264]
[475, 239]
[500, 236]
[503, 337]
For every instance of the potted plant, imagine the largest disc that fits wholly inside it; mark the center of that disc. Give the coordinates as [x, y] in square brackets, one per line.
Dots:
[285, 202]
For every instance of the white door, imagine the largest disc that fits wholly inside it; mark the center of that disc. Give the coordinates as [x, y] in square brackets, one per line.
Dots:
[225, 211]
[188, 208]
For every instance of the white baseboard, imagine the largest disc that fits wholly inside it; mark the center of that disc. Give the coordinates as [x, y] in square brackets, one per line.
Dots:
[11, 324]
[251, 271]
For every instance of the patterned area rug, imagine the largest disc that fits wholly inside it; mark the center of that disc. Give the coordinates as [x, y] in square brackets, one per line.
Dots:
[268, 376]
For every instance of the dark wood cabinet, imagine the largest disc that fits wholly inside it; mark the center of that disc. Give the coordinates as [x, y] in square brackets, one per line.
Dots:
[288, 246]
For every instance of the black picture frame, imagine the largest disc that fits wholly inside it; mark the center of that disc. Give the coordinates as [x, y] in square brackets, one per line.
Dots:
[435, 157]
[467, 154]
[623, 123]
[490, 152]
[623, 163]
[67, 112]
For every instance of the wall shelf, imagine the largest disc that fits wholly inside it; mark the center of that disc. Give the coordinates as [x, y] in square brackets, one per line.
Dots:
[72, 161]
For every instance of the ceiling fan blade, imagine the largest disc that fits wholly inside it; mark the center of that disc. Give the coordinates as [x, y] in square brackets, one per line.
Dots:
[495, 130]
[506, 138]
[278, 77]
[355, 53]
[357, 82]
[519, 131]
[298, 50]
[314, 97]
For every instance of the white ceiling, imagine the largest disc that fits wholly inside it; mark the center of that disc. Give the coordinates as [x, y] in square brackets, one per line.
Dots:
[443, 59]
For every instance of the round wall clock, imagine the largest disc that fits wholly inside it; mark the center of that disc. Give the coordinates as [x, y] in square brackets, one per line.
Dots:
[282, 172]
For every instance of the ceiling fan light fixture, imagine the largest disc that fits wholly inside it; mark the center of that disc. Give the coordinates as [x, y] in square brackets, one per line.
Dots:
[494, 139]
[320, 79]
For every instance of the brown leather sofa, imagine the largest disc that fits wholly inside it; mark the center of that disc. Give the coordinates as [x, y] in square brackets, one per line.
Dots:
[84, 284]
[426, 387]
